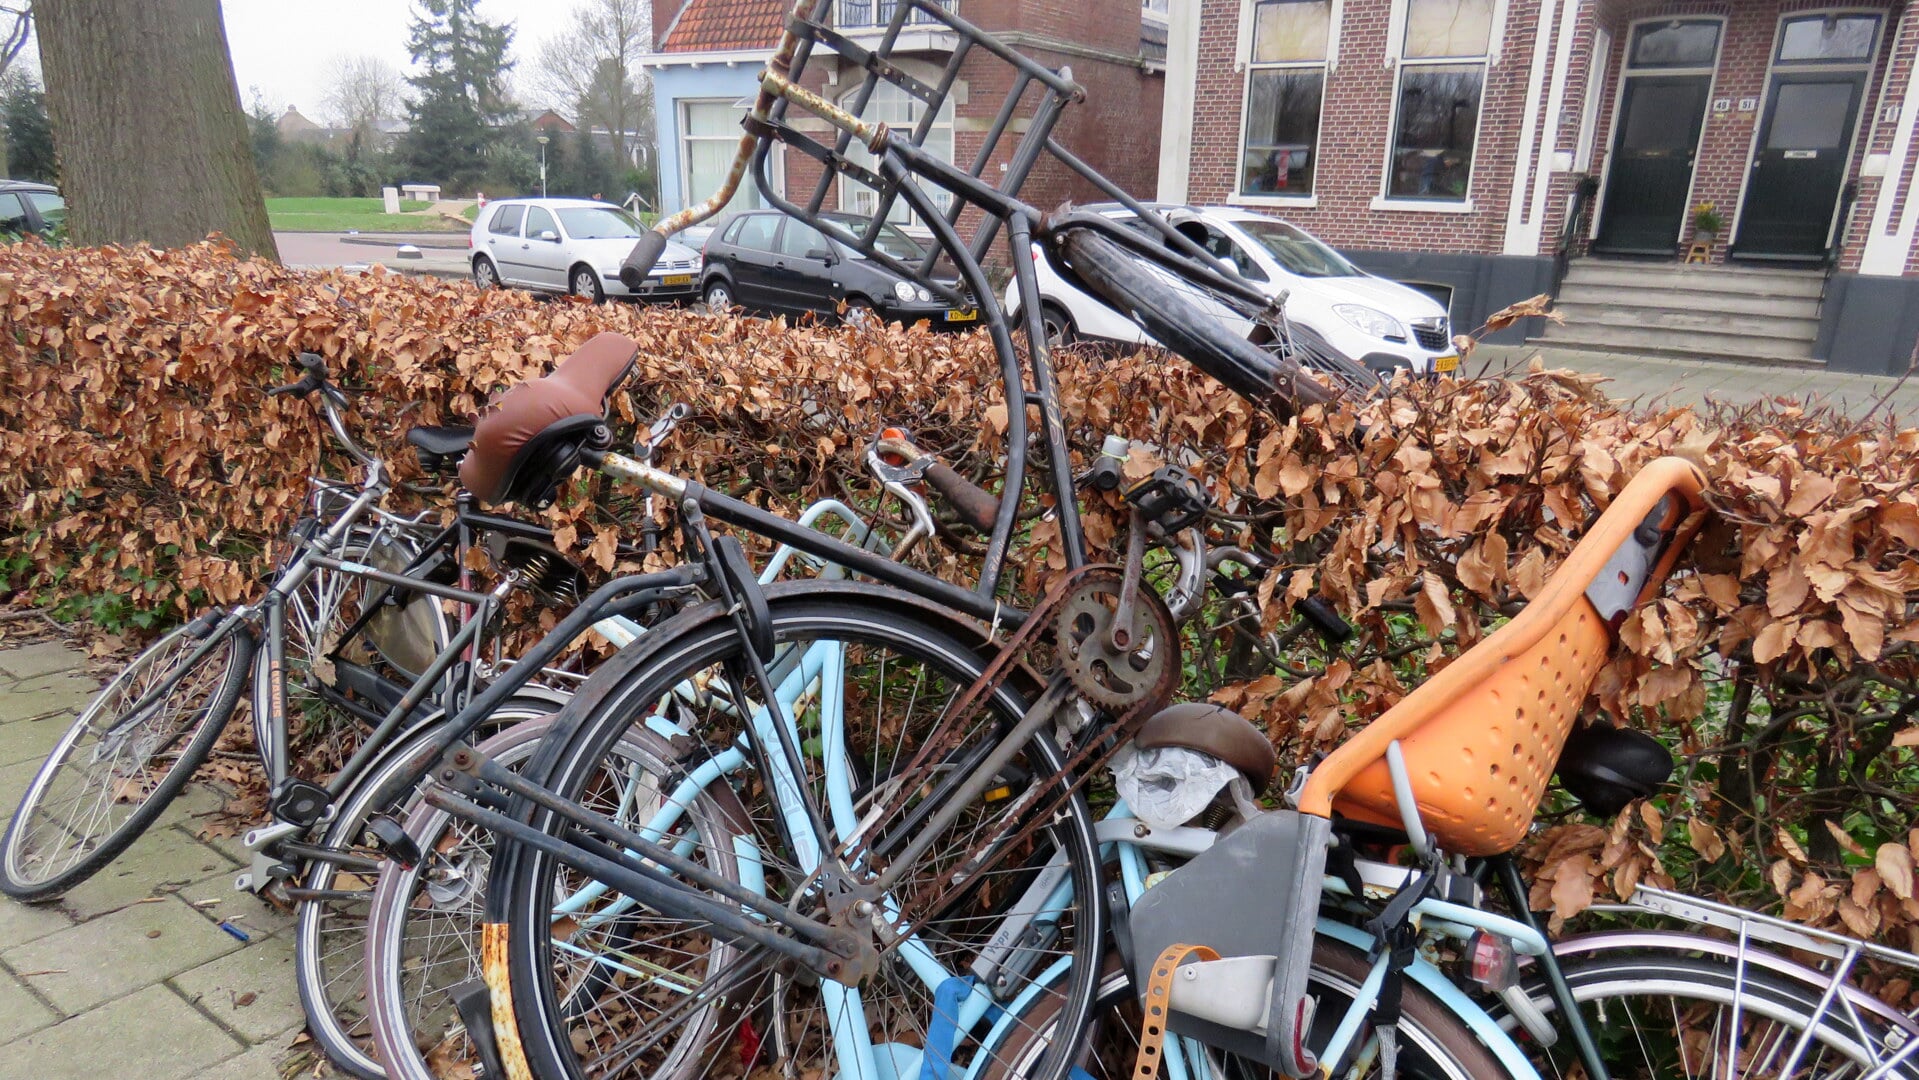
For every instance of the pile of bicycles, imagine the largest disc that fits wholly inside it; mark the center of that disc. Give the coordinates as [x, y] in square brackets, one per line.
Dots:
[836, 818]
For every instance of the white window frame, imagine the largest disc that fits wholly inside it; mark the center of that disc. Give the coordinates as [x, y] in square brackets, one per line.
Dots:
[1619, 99]
[1399, 62]
[944, 120]
[682, 113]
[1773, 64]
[1247, 67]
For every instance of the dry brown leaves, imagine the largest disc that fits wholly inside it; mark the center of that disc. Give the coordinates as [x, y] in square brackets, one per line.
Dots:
[138, 456]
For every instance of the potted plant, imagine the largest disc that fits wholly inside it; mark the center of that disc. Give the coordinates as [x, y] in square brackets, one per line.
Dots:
[1706, 223]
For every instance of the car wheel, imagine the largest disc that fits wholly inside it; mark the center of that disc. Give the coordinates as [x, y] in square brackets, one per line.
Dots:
[718, 296]
[1060, 331]
[860, 314]
[586, 283]
[485, 275]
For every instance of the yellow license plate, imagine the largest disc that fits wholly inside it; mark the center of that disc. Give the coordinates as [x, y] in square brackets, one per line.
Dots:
[677, 279]
[1444, 364]
[967, 315]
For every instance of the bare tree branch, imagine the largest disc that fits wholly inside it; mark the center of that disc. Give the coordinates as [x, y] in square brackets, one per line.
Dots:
[362, 90]
[592, 70]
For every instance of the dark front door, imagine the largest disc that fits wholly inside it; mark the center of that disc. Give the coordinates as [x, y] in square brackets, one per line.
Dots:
[1799, 165]
[1651, 169]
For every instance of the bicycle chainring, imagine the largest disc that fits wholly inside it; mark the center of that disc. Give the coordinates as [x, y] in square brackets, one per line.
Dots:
[1117, 677]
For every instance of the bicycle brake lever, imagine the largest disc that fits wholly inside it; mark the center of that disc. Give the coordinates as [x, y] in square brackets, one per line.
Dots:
[661, 428]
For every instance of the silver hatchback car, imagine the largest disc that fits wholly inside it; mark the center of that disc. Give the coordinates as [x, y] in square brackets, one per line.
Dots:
[572, 246]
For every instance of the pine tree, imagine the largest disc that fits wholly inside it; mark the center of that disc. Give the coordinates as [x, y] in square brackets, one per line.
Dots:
[23, 107]
[461, 97]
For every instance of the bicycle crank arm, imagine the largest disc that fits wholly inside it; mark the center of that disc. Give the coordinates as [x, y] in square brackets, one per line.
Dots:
[345, 860]
[301, 896]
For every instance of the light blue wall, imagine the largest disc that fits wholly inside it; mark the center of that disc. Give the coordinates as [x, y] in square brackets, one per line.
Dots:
[675, 83]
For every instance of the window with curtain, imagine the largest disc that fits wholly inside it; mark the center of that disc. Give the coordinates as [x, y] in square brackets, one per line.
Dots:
[1442, 74]
[709, 137]
[1285, 86]
[902, 112]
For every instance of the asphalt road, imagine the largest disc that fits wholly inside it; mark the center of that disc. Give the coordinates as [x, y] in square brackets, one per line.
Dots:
[443, 254]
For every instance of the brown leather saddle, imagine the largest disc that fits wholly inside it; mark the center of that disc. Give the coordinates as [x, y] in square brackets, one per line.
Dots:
[530, 439]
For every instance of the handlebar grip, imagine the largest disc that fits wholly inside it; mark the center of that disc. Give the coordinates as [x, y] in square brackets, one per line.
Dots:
[307, 384]
[975, 506]
[1325, 620]
[639, 262]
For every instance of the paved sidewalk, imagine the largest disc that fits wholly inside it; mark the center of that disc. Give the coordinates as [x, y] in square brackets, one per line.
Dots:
[1647, 380]
[130, 975]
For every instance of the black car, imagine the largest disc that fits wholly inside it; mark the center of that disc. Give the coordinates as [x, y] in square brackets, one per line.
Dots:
[765, 261]
[27, 207]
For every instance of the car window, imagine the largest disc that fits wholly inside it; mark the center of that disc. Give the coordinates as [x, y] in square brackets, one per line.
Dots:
[1298, 250]
[800, 238]
[13, 216]
[890, 239]
[756, 231]
[600, 223]
[539, 221]
[1218, 246]
[732, 233]
[506, 220]
[52, 208]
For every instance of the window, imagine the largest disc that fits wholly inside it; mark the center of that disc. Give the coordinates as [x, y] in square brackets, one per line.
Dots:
[53, 208]
[890, 240]
[709, 137]
[1285, 84]
[1829, 38]
[756, 231]
[1297, 250]
[600, 223]
[539, 221]
[902, 112]
[506, 220]
[1215, 243]
[13, 216]
[1675, 44]
[1442, 71]
[800, 240]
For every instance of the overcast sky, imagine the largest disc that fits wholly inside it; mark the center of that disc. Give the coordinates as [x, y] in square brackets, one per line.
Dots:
[287, 47]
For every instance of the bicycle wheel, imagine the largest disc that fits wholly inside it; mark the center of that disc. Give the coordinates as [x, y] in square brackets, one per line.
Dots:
[115, 770]
[423, 933]
[1661, 1015]
[331, 934]
[1434, 1043]
[867, 672]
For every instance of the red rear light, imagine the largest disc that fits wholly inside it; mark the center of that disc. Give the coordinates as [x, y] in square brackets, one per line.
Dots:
[1490, 961]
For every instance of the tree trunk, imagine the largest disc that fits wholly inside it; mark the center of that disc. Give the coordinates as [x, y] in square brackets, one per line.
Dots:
[152, 141]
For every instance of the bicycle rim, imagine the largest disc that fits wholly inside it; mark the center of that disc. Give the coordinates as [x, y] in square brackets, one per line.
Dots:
[113, 772]
[895, 676]
[330, 936]
[1673, 1016]
[424, 931]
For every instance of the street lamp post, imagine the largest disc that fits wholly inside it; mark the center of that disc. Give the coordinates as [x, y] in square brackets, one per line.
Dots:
[542, 141]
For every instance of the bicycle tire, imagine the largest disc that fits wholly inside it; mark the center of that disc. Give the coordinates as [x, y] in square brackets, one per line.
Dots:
[622, 693]
[1783, 1009]
[329, 944]
[204, 717]
[1128, 286]
[399, 985]
[1434, 1042]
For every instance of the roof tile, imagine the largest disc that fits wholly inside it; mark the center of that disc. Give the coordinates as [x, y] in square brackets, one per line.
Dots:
[713, 25]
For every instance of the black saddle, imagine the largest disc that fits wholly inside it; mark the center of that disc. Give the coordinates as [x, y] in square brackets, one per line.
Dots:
[440, 448]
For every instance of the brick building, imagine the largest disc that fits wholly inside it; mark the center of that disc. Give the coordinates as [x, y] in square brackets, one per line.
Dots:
[710, 53]
[1446, 142]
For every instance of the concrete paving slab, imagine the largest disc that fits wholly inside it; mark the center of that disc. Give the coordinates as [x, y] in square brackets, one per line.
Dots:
[251, 991]
[21, 923]
[41, 658]
[63, 694]
[152, 1035]
[254, 916]
[112, 955]
[20, 1012]
[32, 740]
[164, 861]
[263, 1062]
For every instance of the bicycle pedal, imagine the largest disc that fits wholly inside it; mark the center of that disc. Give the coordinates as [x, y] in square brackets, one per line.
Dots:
[299, 802]
[391, 838]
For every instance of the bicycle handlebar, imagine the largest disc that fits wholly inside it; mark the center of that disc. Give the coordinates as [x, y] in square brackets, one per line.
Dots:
[331, 399]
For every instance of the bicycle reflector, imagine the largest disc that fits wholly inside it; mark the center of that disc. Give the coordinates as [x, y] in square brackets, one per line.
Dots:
[1490, 961]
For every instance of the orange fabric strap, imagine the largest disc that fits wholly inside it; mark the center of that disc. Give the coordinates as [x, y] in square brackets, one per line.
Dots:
[1159, 996]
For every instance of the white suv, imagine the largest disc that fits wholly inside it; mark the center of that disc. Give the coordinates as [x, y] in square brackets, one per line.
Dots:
[572, 246]
[1381, 324]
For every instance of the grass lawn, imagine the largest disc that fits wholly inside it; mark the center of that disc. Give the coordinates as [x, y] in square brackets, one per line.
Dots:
[344, 215]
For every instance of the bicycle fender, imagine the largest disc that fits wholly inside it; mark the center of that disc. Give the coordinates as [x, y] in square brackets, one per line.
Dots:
[1451, 996]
